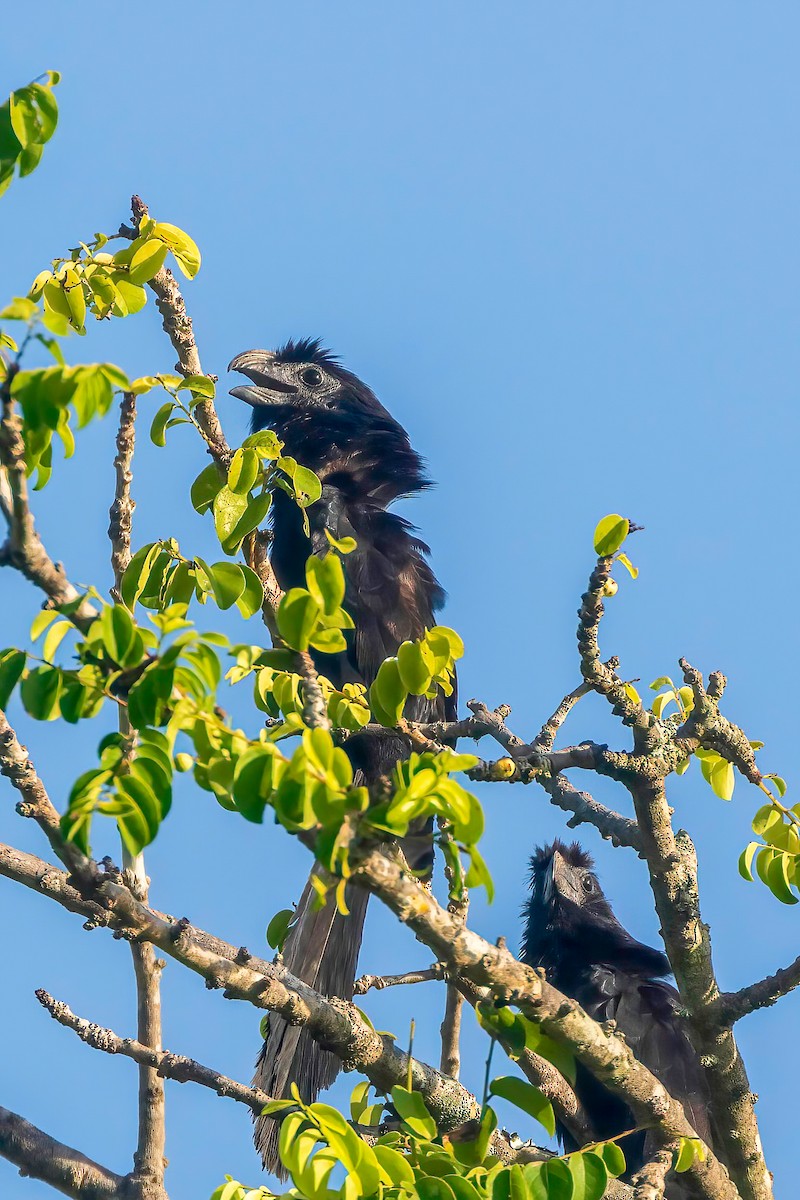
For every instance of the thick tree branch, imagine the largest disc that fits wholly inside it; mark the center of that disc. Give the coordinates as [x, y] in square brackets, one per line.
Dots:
[41, 1157]
[163, 1062]
[672, 865]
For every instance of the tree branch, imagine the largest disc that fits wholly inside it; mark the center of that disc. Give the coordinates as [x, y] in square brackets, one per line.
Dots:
[35, 802]
[41, 1157]
[121, 511]
[732, 1006]
[650, 1182]
[334, 1023]
[149, 1160]
[163, 1062]
[23, 548]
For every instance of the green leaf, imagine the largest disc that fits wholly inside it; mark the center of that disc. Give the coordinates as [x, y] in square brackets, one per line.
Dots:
[609, 535]
[325, 580]
[297, 618]
[243, 472]
[278, 929]
[183, 248]
[345, 545]
[12, 664]
[202, 387]
[527, 1097]
[628, 565]
[158, 429]
[307, 487]
[722, 779]
[745, 860]
[147, 260]
[252, 598]
[688, 1150]
[205, 487]
[779, 879]
[613, 1157]
[414, 671]
[388, 695]
[504, 1024]
[228, 582]
[40, 691]
[412, 1111]
[589, 1175]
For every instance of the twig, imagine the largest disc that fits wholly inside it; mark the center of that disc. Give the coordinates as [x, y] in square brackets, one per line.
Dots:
[379, 982]
[41, 1157]
[732, 1006]
[23, 548]
[649, 1183]
[166, 1064]
[148, 1161]
[619, 830]
[315, 710]
[178, 327]
[600, 676]
[121, 511]
[35, 802]
[450, 1062]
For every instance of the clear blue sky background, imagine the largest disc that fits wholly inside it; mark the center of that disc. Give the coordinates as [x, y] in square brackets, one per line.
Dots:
[560, 241]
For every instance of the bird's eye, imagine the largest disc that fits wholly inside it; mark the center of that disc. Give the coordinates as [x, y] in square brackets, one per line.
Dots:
[587, 884]
[311, 376]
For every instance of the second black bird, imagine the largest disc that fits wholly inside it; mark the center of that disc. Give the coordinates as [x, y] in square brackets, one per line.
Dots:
[571, 931]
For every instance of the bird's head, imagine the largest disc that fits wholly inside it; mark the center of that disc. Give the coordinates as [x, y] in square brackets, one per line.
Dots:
[569, 917]
[300, 380]
[564, 886]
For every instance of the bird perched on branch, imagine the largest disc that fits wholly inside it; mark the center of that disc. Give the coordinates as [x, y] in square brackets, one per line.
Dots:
[571, 931]
[333, 423]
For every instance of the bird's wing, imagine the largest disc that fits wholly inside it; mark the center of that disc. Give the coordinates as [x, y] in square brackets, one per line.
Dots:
[647, 1013]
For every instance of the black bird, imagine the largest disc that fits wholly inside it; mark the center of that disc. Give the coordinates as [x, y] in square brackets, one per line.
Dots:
[333, 423]
[571, 931]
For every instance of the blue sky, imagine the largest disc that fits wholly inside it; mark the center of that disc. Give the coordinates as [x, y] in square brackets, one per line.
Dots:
[560, 243]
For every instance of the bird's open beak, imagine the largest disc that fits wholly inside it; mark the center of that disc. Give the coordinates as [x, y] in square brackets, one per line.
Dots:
[264, 388]
[560, 880]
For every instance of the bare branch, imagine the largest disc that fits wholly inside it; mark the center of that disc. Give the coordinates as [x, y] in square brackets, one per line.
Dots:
[619, 830]
[41, 1157]
[599, 675]
[149, 1160]
[379, 982]
[121, 511]
[23, 548]
[165, 1063]
[450, 1061]
[35, 802]
[178, 327]
[649, 1183]
[732, 1006]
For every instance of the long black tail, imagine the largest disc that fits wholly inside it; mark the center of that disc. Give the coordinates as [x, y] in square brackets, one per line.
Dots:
[321, 949]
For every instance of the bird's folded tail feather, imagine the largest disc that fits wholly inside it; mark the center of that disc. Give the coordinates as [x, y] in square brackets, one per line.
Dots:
[322, 950]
